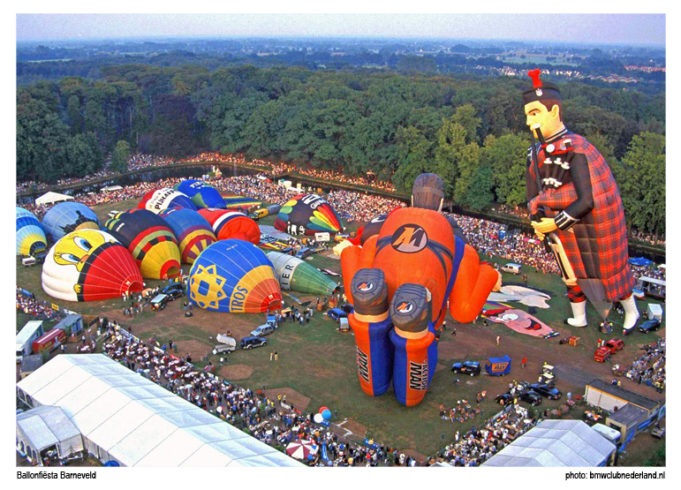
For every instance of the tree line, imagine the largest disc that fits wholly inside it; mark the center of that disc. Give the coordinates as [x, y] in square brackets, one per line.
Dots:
[469, 130]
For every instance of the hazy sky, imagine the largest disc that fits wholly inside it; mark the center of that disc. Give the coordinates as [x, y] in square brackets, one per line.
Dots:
[588, 28]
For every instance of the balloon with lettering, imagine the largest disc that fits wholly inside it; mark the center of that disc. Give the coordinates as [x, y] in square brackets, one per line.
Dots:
[306, 215]
[150, 241]
[89, 265]
[66, 217]
[31, 238]
[400, 282]
[165, 198]
[295, 274]
[234, 276]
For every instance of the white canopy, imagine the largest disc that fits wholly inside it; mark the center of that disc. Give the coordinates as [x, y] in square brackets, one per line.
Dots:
[52, 197]
[556, 443]
[46, 426]
[128, 418]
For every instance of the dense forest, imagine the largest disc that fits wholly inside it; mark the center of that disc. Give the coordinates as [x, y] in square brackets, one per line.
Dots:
[468, 130]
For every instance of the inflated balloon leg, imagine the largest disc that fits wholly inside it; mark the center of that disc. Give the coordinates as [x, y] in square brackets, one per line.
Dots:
[414, 343]
[371, 325]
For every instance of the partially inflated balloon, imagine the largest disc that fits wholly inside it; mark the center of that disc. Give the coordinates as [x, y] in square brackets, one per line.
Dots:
[89, 265]
[165, 198]
[192, 231]
[66, 217]
[232, 224]
[31, 238]
[241, 202]
[203, 194]
[234, 276]
[149, 240]
[306, 215]
[295, 274]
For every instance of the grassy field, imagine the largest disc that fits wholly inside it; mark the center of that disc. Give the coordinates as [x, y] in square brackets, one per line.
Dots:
[318, 362]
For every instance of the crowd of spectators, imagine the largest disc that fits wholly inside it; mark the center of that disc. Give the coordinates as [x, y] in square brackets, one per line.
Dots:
[478, 445]
[41, 309]
[274, 422]
[650, 367]
[461, 412]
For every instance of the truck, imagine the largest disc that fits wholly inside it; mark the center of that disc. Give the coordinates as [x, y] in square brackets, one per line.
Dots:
[49, 341]
[511, 268]
[604, 352]
[26, 336]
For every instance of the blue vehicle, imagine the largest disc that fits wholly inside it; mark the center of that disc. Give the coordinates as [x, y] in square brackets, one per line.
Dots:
[175, 290]
[649, 326]
[252, 342]
[471, 368]
[550, 392]
[336, 314]
[498, 366]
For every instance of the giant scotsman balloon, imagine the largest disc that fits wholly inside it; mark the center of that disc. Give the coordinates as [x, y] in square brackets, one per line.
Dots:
[295, 274]
[400, 281]
[307, 215]
[31, 238]
[66, 217]
[234, 276]
[232, 224]
[575, 204]
[201, 193]
[149, 240]
[89, 265]
[192, 231]
[165, 198]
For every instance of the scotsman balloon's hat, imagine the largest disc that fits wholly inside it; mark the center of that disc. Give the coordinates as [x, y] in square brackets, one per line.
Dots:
[540, 90]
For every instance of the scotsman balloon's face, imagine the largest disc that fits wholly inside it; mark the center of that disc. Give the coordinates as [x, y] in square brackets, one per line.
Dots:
[539, 117]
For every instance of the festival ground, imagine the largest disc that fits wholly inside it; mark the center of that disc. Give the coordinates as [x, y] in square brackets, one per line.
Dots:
[316, 362]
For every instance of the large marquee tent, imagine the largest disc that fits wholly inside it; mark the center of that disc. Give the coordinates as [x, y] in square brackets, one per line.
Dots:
[556, 443]
[126, 418]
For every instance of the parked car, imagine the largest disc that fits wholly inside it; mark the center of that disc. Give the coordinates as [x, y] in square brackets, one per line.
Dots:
[602, 354]
[471, 368]
[159, 301]
[336, 314]
[252, 342]
[175, 290]
[614, 345]
[650, 326]
[550, 392]
[264, 329]
[531, 397]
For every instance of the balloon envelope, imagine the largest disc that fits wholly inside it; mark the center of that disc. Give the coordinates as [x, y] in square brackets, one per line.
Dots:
[89, 265]
[149, 240]
[232, 224]
[30, 234]
[193, 232]
[66, 217]
[295, 274]
[165, 198]
[234, 276]
[306, 215]
[201, 193]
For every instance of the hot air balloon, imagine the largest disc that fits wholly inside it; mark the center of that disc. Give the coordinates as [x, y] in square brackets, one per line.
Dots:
[232, 224]
[89, 265]
[240, 202]
[31, 238]
[295, 274]
[203, 194]
[234, 276]
[307, 215]
[149, 240]
[192, 231]
[66, 217]
[165, 198]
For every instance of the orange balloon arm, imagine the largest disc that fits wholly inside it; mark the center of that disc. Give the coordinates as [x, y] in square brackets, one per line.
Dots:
[355, 258]
[474, 283]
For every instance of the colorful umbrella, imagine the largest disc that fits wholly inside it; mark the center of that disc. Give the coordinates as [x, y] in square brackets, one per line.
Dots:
[301, 449]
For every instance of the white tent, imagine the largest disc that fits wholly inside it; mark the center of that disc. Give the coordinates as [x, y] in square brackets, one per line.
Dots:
[127, 418]
[44, 427]
[556, 443]
[52, 197]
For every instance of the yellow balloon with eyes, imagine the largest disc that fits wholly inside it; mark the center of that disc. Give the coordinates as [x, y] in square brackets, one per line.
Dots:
[76, 249]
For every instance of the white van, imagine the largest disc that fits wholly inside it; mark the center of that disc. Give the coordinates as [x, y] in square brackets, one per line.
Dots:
[30, 332]
[511, 268]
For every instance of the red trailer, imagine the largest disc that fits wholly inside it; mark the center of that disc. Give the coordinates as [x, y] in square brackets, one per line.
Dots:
[52, 339]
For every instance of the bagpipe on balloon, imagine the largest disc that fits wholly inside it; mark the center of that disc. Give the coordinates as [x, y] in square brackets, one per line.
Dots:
[400, 281]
